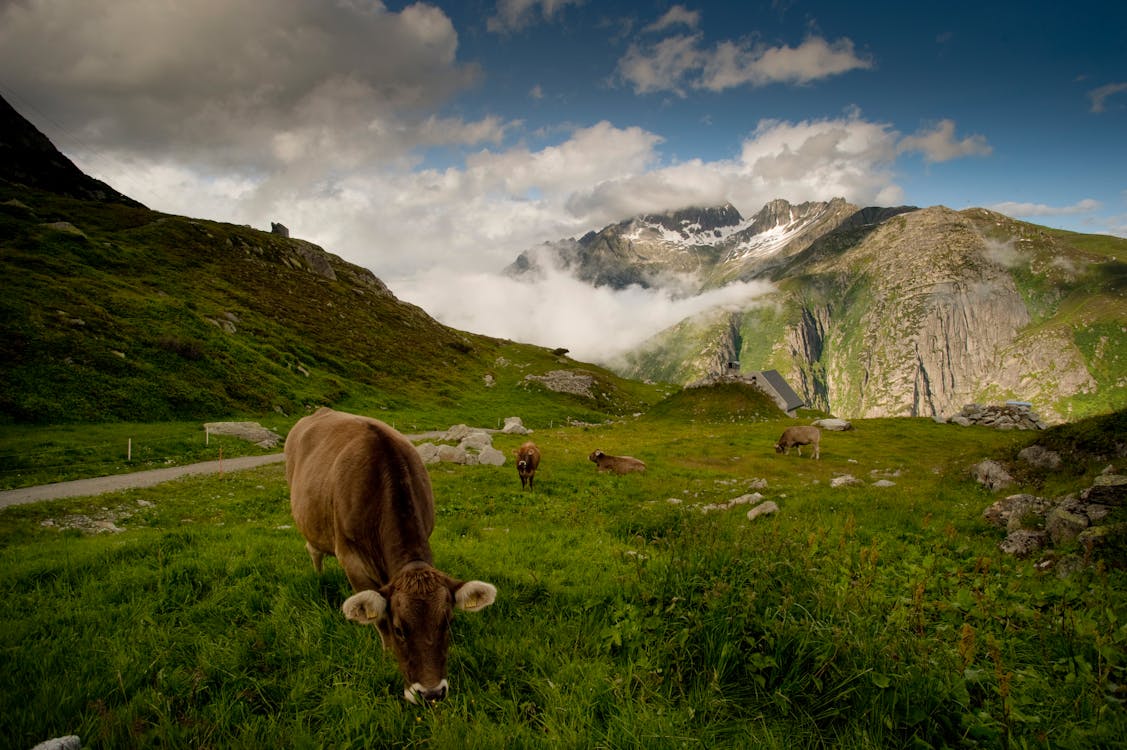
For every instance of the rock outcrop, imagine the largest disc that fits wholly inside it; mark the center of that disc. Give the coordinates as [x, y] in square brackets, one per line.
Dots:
[1011, 416]
[1034, 524]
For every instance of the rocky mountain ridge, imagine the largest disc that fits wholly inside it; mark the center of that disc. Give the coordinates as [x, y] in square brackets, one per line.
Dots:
[878, 311]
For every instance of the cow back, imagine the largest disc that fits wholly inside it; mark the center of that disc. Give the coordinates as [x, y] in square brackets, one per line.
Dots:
[358, 487]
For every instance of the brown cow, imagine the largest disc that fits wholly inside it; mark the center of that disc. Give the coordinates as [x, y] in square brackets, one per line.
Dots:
[796, 437]
[360, 492]
[528, 458]
[617, 464]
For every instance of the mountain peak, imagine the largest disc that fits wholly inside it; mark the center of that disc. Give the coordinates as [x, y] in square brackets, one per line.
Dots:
[695, 219]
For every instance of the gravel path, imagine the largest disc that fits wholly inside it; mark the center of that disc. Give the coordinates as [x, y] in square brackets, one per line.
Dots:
[100, 485]
[115, 482]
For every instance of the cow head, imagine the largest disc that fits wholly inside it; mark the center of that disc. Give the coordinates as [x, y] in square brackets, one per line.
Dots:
[779, 447]
[596, 455]
[413, 615]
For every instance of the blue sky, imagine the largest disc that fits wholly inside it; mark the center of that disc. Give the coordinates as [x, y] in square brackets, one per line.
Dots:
[433, 142]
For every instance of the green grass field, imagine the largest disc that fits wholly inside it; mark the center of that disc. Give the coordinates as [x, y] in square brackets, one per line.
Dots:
[855, 617]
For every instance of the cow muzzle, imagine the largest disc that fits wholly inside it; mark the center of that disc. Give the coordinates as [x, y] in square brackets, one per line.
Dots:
[428, 695]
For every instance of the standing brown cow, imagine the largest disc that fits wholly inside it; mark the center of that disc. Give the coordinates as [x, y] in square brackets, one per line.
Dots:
[796, 437]
[528, 458]
[360, 492]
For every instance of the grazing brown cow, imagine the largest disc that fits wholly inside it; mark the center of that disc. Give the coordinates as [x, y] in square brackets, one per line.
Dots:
[360, 492]
[528, 458]
[617, 464]
[797, 437]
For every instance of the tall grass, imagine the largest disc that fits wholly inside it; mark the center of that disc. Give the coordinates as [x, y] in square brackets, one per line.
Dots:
[855, 617]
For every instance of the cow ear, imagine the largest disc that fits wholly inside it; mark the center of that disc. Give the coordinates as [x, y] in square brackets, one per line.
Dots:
[474, 595]
[366, 608]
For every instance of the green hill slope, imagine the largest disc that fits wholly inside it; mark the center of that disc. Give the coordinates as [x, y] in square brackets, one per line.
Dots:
[116, 312]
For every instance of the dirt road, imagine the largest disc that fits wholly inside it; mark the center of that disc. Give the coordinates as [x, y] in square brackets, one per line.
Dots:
[100, 485]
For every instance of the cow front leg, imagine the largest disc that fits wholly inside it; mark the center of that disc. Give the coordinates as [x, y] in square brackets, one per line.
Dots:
[316, 555]
[360, 575]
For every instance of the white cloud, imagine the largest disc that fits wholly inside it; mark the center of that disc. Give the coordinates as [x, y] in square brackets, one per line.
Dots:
[556, 310]
[216, 82]
[678, 15]
[818, 159]
[679, 62]
[590, 155]
[1013, 208]
[939, 144]
[1002, 253]
[662, 65]
[514, 15]
[1099, 96]
[732, 64]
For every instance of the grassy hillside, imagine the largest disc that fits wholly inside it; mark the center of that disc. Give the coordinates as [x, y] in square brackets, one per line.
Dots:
[719, 402]
[855, 617]
[118, 313]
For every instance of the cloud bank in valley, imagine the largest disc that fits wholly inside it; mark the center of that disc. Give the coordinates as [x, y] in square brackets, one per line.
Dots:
[557, 310]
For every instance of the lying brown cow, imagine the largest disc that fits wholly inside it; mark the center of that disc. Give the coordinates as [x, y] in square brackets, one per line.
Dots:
[617, 464]
[528, 458]
[796, 437]
[360, 492]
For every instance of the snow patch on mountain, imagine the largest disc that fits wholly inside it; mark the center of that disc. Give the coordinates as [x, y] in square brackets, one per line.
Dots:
[764, 244]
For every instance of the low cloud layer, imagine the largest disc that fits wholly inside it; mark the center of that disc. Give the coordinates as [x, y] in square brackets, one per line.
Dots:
[557, 310]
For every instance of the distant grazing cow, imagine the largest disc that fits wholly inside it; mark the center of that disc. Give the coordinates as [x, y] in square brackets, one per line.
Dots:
[797, 437]
[617, 464]
[360, 492]
[528, 458]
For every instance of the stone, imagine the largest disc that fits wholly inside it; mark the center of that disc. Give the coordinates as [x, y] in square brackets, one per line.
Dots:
[428, 452]
[991, 474]
[839, 425]
[845, 480]
[1063, 526]
[70, 742]
[1040, 457]
[451, 454]
[1107, 489]
[250, 431]
[1022, 543]
[476, 441]
[1008, 512]
[490, 456]
[514, 426]
[457, 432]
[763, 509]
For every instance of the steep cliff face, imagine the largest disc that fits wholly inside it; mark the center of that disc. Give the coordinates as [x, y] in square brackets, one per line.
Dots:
[805, 345]
[938, 324]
